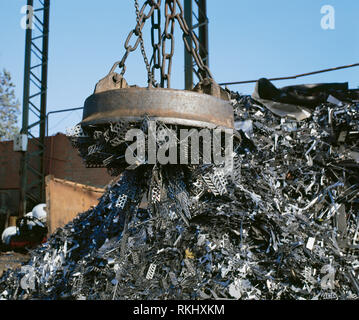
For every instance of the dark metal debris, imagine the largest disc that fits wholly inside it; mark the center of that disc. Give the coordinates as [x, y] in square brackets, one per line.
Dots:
[298, 101]
[283, 225]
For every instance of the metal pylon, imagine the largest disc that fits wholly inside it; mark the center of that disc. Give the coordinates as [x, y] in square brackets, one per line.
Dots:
[197, 20]
[34, 103]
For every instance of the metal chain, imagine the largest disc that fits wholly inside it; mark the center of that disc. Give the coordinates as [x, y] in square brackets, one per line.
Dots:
[194, 51]
[170, 9]
[142, 17]
[171, 16]
[156, 42]
[166, 66]
[150, 79]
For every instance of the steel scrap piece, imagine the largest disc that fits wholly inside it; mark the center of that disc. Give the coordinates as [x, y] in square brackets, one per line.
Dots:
[286, 225]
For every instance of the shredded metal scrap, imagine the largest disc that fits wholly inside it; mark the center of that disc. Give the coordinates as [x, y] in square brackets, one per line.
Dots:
[283, 225]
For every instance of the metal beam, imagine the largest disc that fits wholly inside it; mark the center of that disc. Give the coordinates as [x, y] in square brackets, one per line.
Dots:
[203, 31]
[34, 99]
[200, 28]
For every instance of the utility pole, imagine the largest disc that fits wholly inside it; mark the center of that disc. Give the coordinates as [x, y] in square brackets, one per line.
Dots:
[34, 101]
[201, 26]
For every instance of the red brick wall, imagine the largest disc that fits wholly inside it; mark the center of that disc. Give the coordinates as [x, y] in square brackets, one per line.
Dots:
[9, 166]
[61, 161]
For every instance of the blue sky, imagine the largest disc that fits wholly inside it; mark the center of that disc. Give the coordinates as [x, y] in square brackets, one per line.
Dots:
[248, 39]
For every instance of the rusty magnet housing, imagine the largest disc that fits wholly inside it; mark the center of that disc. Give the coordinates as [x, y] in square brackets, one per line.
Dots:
[178, 107]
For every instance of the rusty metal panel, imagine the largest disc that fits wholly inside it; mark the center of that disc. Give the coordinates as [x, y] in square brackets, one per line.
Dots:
[168, 105]
[66, 199]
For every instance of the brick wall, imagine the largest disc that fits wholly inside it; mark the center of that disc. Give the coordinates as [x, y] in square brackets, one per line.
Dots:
[61, 161]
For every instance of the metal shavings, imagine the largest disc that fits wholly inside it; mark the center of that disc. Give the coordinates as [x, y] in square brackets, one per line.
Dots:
[151, 271]
[116, 142]
[94, 149]
[284, 224]
[135, 258]
[189, 254]
[189, 266]
[310, 243]
[77, 132]
[121, 201]
[97, 135]
[156, 194]
[120, 129]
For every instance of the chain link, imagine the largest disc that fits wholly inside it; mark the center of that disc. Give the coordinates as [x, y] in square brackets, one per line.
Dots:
[159, 43]
[156, 41]
[168, 34]
[150, 79]
[193, 50]
[137, 31]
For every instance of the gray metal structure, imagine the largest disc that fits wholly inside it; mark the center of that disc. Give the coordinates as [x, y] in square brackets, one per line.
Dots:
[34, 104]
[196, 21]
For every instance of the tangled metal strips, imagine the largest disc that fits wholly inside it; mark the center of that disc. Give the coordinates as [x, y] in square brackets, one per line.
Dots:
[283, 225]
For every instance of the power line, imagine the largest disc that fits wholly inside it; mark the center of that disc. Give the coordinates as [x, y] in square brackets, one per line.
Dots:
[58, 111]
[292, 77]
[64, 118]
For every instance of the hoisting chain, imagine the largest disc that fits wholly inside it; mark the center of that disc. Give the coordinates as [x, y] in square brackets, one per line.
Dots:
[159, 42]
[156, 41]
[194, 51]
[137, 31]
[150, 77]
[171, 15]
[168, 34]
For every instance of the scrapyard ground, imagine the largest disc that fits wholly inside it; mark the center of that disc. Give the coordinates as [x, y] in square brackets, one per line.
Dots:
[12, 260]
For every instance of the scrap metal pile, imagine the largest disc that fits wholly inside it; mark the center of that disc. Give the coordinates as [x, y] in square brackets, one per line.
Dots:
[283, 225]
